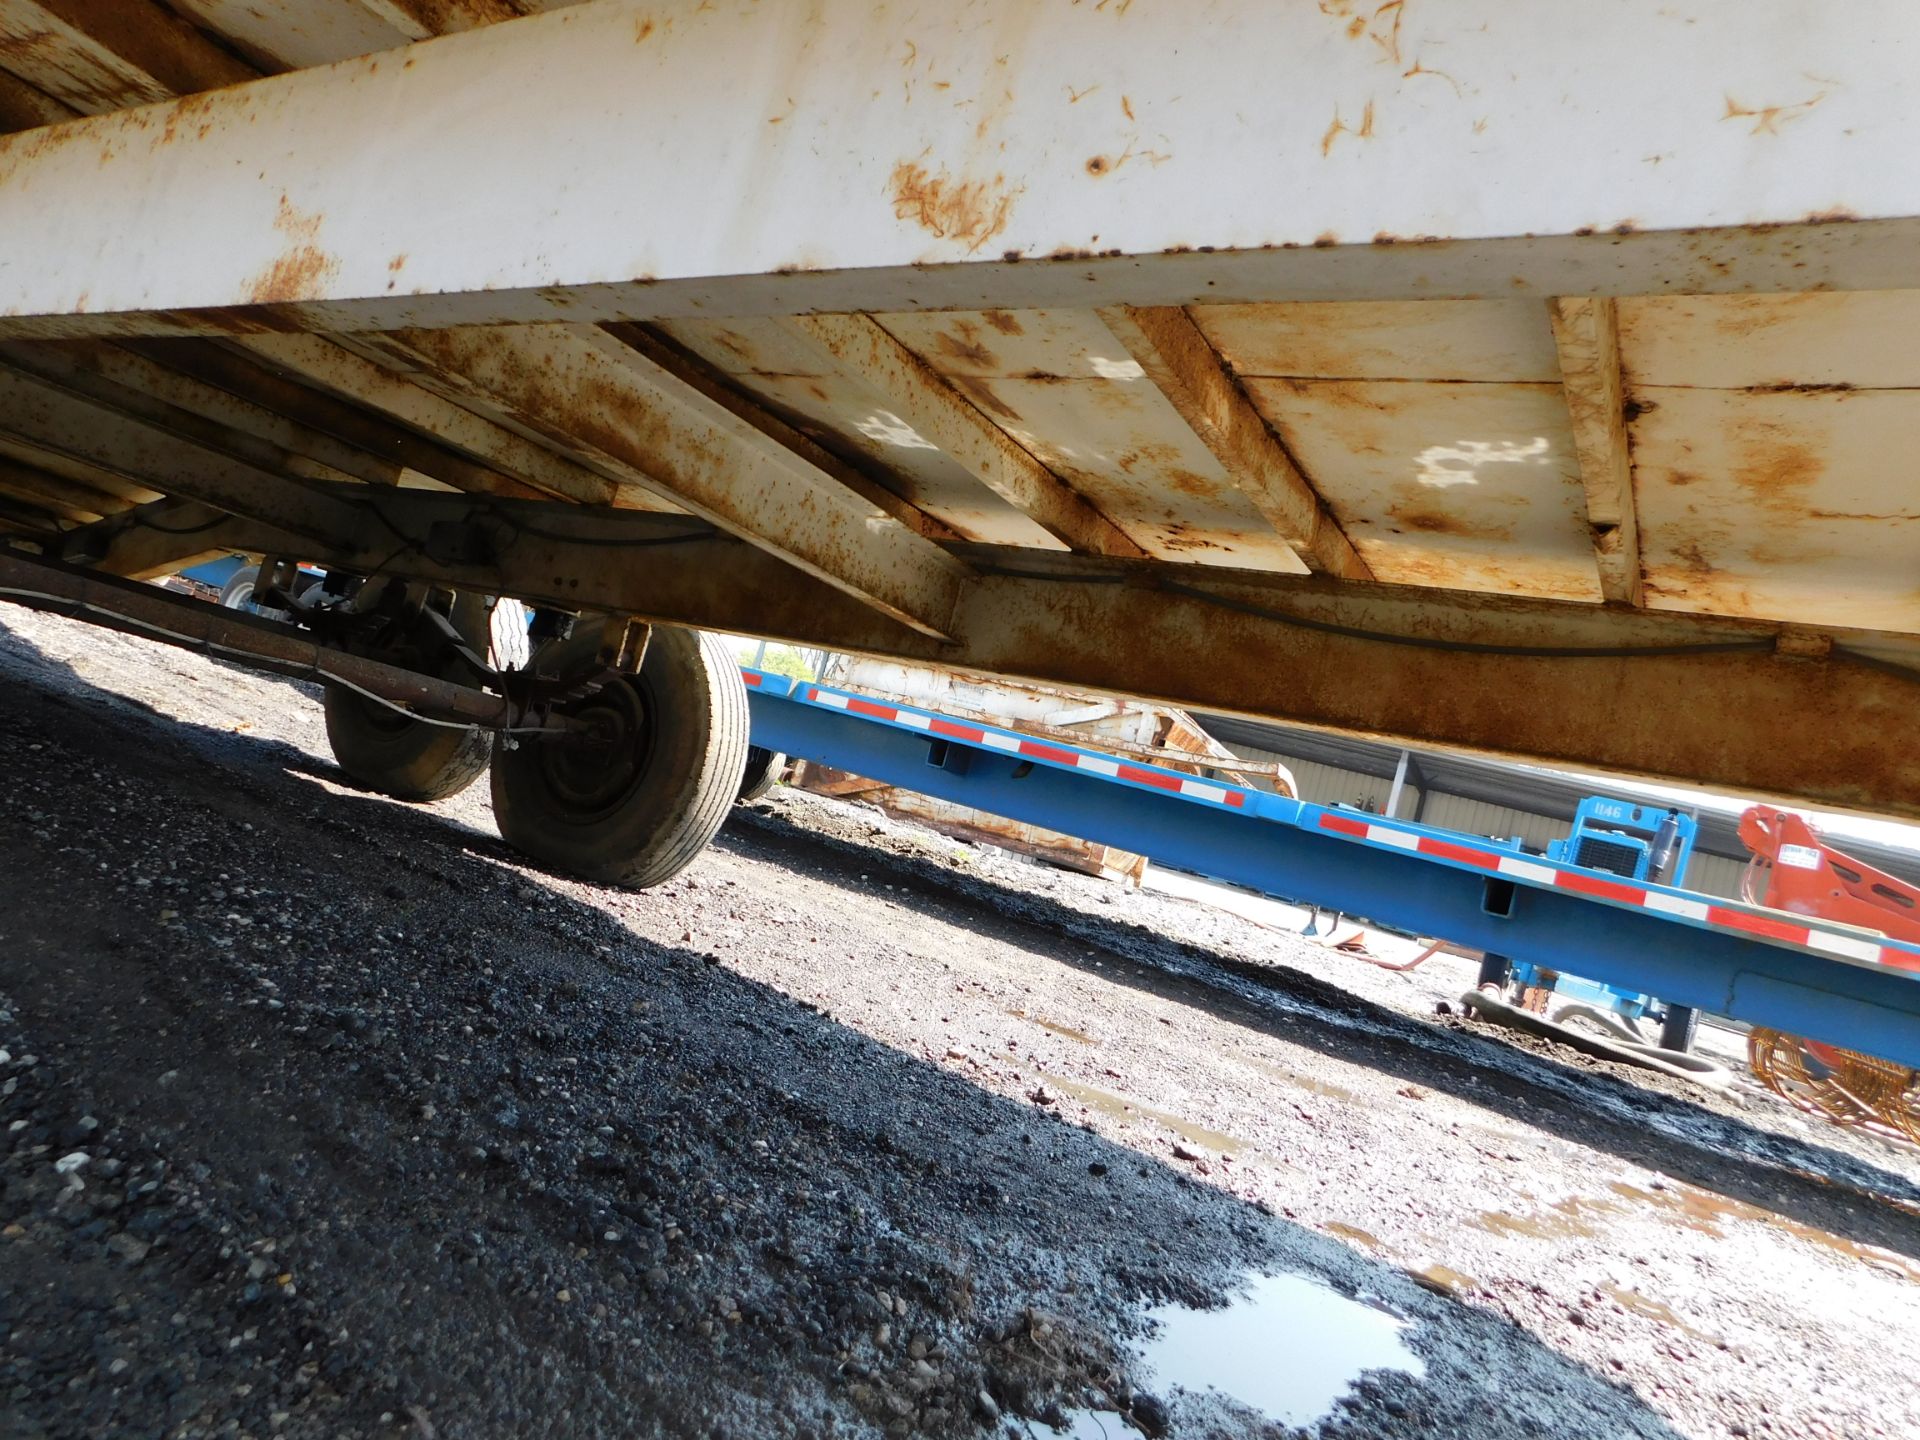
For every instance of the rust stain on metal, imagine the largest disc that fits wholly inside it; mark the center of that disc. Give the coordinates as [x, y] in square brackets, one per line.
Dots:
[1378, 23]
[1767, 119]
[1343, 394]
[642, 29]
[240, 320]
[963, 345]
[1189, 483]
[182, 112]
[1693, 561]
[1417, 69]
[1339, 127]
[1788, 387]
[296, 275]
[980, 393]
[1154, 453]
[1776, 470]
[967, 212]
[1419, 511]
[1003, 321]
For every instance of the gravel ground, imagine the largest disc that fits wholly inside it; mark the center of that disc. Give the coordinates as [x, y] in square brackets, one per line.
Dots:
[325, 1116]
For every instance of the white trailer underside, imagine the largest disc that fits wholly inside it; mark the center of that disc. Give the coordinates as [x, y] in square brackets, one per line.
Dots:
[1161, 347]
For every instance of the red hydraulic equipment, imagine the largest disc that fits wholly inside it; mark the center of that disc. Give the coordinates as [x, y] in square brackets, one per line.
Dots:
[1805, 875]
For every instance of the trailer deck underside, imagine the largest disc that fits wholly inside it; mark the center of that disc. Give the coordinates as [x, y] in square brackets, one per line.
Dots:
[1537, 384]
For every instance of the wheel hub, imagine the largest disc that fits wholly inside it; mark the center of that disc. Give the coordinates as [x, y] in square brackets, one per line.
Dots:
[597, 764]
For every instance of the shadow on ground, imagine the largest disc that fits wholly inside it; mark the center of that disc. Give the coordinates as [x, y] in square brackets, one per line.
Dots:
[1688, 1141]
[522, 1172]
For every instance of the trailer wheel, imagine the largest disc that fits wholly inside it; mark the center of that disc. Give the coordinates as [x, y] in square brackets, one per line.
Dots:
[1678, 1029]
[633, 799]
[406, 758]
[510, 647]
[762, 772]
[237, 594]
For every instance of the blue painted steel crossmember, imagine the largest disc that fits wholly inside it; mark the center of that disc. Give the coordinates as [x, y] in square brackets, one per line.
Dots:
[1830, 982]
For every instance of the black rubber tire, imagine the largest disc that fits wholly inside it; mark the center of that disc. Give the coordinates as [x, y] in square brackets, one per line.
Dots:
[237, 593]
[669, 792]
[762, 773]
[405, 758]
[1678, 1029]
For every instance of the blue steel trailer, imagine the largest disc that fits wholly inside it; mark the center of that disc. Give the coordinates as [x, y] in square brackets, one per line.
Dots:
[1830, 982]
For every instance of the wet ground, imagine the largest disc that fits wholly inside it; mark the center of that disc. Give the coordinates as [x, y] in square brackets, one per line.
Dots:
[322, 1116]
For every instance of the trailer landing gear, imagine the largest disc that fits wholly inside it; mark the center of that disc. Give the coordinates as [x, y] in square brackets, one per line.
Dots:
[1678, 1028]
[646, 770]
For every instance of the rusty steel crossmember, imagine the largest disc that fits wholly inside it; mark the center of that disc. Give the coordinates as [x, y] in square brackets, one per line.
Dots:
[226, 634]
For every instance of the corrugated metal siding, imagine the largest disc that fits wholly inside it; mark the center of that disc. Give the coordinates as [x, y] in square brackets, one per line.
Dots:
[1476, 817]
[1326, 785]
[1716, 875]
[1330, 785]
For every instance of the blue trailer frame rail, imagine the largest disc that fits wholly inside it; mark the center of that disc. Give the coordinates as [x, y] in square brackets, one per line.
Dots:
[1846, 986]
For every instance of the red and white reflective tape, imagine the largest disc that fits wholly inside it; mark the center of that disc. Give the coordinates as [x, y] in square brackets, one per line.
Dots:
[1168, 780]
[1626, 892]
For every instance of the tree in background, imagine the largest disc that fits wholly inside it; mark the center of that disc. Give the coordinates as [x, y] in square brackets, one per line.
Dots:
[779, 659]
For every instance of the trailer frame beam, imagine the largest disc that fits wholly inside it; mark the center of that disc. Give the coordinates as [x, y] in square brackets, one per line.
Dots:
[1551, 682]
[1586, 333]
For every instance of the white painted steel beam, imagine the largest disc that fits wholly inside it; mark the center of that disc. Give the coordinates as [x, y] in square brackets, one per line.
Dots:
[638, 161]
[125, 380]
[1166, 344]
[340, 372]
[186, 465]
[609, 405]
[1587, 334]
[57, 497]
[937, 415]
[720, 389]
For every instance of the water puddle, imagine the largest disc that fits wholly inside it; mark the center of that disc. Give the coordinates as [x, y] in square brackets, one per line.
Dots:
[1653, 1309]
[1445, 1280]
[1677, 1204]
[1289, 1348]
[1119, 1108]
[1706, 1212]
[1055, 1026]
[1353, 1233]
[1308, 1082]
[1533, 1227]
